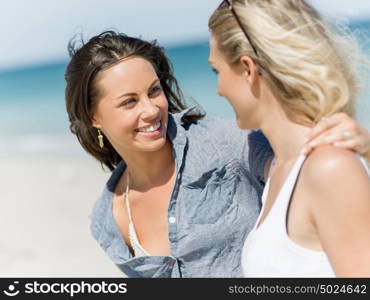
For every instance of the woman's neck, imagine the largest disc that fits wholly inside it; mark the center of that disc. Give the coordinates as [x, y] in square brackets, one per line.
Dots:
[150, 169]
[286, 137]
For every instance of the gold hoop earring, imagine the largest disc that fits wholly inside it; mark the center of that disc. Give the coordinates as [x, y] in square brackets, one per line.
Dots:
[100, 138]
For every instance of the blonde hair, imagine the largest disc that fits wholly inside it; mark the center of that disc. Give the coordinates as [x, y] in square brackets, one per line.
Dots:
[303, 59]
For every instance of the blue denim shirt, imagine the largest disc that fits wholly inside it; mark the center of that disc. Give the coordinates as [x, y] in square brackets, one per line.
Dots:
[214, 204]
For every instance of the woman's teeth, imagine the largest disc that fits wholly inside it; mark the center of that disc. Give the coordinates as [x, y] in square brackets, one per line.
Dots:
[150, 128]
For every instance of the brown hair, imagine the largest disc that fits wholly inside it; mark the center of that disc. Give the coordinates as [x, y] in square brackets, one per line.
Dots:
[81, 94]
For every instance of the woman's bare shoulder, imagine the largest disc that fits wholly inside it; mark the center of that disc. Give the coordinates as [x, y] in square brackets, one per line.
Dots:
[332, 173]
[333, 161]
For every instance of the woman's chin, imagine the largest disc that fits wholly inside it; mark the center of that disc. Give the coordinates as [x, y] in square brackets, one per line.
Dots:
[152, 146]
[243, 124]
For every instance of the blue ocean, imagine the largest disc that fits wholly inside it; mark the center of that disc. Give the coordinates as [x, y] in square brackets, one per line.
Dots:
[33, 116]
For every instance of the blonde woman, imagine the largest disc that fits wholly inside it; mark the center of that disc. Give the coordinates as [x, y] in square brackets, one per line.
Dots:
[283, 69]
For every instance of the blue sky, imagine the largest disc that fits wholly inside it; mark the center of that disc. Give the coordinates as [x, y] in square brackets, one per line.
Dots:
[37, 31]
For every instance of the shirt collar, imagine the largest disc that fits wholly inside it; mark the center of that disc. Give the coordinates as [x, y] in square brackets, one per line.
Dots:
[174, 131]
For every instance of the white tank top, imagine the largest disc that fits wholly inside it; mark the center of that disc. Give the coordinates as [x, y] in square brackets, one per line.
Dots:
[269, 252]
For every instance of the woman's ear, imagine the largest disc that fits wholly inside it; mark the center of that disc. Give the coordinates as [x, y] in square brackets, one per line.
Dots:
[95, 122]
[250, 69]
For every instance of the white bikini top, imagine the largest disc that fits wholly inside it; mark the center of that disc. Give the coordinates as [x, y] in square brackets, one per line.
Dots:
[134, 241]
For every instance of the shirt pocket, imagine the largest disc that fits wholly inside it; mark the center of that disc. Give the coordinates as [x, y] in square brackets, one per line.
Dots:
[208, 198]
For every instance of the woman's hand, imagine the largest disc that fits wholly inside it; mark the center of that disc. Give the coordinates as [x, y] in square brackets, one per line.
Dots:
[341, 131]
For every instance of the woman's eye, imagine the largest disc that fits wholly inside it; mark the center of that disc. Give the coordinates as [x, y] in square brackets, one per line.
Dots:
[127, 102]
[215, 71]
[156, 90]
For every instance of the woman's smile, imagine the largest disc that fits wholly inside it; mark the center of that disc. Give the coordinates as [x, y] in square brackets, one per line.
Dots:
[154, 130]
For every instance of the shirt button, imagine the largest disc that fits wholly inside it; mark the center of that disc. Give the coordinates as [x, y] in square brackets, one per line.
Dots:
[172, 220]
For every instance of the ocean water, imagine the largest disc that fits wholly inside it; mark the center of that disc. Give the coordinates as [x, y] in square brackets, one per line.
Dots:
[32, 109]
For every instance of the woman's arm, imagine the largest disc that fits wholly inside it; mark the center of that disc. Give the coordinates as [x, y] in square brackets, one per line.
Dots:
[342, 131]
[339, 189]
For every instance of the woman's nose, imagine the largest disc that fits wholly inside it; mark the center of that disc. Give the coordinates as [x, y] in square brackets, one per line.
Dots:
[149, 110]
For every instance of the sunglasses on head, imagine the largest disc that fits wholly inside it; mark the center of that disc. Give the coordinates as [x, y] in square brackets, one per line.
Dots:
[228, 4]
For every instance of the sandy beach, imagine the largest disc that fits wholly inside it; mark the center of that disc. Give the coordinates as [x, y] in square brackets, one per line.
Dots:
[45, 203]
